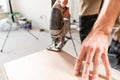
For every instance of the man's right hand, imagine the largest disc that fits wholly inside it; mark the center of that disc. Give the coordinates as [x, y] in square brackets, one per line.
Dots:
[94, 48]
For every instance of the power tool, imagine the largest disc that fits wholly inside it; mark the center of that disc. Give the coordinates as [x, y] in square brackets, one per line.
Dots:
[59, 27]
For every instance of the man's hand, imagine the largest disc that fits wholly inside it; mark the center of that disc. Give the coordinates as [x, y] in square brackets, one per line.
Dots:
[66, 13]
[93, 49]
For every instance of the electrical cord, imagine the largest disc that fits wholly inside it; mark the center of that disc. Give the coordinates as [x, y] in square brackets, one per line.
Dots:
[73, 42]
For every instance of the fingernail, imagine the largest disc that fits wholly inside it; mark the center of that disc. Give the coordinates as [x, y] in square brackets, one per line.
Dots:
[94, 78]
[84, 78]
[76, 73]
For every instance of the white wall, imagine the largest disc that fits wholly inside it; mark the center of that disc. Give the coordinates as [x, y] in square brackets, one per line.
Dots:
[33, 10]
[74, 9]
[5, 9]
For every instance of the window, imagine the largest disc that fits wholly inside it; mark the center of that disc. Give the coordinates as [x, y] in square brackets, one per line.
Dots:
[3, 6]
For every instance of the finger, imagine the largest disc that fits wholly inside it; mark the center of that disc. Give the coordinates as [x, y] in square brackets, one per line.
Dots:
[96, 64]
[107, 65]
[89, 58]
[79, 60]
[77, 67]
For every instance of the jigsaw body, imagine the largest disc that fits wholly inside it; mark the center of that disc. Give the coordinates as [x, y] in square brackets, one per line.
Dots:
[59, 26]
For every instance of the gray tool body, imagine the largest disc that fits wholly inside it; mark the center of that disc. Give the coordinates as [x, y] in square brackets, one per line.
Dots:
[59, 27]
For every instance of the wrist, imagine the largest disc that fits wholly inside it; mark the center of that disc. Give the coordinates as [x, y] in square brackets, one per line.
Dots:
[104, 27]
[104, 31]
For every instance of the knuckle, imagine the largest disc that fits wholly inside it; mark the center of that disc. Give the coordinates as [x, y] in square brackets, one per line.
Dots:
[91, 47]
[85, 46]
[109, 73]
[97, 59]
[78, 60]
[100, 49]
[88, 62]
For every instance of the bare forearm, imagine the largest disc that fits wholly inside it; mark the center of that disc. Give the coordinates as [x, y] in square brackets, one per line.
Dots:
[107, 16]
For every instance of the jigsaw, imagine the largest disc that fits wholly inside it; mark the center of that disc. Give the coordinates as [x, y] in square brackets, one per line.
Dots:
[59, 25]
